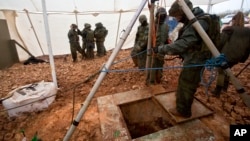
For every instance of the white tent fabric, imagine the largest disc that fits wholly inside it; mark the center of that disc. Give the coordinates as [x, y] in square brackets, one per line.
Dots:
[28, 28]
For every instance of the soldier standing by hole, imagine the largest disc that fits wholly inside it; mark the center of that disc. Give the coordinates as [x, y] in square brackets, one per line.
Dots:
[228, 49]
[100, 33]
[194, 51]
[138, 52]
[74, 41]
[157, 60]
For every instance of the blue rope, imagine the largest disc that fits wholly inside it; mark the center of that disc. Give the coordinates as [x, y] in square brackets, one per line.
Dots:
[210, 65]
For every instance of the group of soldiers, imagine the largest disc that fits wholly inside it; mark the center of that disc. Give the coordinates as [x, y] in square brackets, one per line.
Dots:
[90, 39]
[234, 43]
[139, 51]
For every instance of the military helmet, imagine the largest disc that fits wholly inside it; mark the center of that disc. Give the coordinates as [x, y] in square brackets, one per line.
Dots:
[73, 25]
[87, 25]
[175, 10]
[161, 11]
[99, 24]
[142, 18]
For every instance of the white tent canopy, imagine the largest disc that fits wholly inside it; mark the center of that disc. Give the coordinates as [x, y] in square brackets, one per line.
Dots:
[26, 24]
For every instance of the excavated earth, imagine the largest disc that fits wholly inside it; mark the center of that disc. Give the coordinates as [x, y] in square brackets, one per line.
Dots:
[75, 80]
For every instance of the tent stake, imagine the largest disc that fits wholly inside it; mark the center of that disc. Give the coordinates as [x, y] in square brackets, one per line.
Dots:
[103, 73]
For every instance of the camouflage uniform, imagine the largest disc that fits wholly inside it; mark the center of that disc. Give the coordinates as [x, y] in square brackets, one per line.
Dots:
[157, 60]
[233, 54]
[138, 52]
[190, 47]
[100, 33]
[88, 41]
[235, 46]
[74, 41]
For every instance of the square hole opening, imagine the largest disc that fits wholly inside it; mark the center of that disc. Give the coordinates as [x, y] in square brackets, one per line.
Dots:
[144, 117]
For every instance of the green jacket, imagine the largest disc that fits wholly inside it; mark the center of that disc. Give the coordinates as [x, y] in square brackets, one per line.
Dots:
[100, 34]
[73, 35]
[189, 44]
[141, 38]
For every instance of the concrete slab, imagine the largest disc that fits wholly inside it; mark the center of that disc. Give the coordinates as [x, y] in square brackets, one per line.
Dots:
[113, 126]
[167, 100]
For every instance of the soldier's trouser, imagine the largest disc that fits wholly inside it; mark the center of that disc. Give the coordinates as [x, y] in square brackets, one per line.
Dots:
[74, 47]
[100, 48]
[155, 72]
[90, 50]
[188, 83]
[134, 56]
[141, 59]
[84, 49]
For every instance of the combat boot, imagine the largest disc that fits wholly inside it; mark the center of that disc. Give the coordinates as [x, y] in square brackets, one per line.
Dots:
[216, 92]
[225, 86]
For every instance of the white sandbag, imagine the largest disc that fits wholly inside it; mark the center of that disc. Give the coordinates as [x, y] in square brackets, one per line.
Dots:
[40, 95]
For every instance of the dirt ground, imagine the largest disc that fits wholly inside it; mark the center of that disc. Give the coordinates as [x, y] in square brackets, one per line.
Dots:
[53, 123]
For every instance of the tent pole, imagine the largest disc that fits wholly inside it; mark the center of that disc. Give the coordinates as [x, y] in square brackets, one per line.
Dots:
[241, 7]
[243, 94]
[149, 45]
[209, 6]
[119, 22]
[33, 30]
[103, 72]
[51, 59]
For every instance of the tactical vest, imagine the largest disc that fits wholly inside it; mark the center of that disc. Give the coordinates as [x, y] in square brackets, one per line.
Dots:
[90, 36]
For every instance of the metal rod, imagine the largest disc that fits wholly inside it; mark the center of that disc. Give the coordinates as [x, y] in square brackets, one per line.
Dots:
[27, 13]
[103, 73]
[51, 59]
[151, 26]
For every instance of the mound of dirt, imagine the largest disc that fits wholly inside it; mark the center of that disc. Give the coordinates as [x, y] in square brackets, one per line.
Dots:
[75, 80]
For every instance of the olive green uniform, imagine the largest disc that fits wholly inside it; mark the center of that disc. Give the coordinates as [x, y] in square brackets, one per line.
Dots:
[74, 43]
[235, 46]
[138, 52]
[100, 34]
[190, 47]
[157, 60]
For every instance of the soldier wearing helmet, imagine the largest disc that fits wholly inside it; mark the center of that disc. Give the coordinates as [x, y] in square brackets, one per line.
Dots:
[74, 41]
[138, 52]
[100, 33]
[157, 60]
[192, 49]
[88, 41]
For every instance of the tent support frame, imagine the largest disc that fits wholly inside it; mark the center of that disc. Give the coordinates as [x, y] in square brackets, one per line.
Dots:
[103, 73]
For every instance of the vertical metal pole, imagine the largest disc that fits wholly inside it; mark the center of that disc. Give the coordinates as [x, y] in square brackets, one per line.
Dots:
[51, 59]
[151, 26]
[119, 22]
[209, 6]
[103, 72]
[241, 7]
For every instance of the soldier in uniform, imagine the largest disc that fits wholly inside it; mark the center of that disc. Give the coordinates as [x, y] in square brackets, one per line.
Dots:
[234, 48]
[157, 60]
[100, 33]
[138, 52]
[74, 41]
[191, 48]
[88, 41]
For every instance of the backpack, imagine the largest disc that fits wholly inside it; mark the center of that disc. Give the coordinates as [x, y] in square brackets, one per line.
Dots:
[214, 27]
[90, 36]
